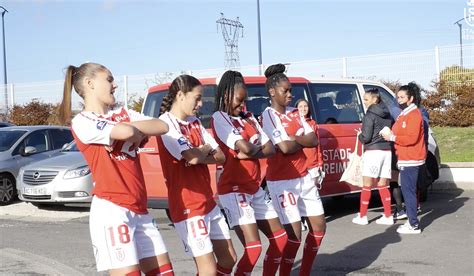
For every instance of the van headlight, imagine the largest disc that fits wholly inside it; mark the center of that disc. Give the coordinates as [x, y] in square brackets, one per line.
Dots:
[77, 172]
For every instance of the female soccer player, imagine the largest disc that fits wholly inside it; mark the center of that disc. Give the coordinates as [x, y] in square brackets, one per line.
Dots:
[247, 208]
[291, 187]
[124, 237]
[185, 151]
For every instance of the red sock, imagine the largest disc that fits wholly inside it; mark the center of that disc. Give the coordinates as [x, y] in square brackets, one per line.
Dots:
[249, 259]
[134, 273]
[166, 269]
[386, 200]
[272, 260]
[288, 258]
[221, 271]
[364, 201]
[311, 247]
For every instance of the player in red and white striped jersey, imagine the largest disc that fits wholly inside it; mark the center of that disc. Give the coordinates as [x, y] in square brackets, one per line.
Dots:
[246, 205]
[185, 151]
[124, 236]
[294, 193]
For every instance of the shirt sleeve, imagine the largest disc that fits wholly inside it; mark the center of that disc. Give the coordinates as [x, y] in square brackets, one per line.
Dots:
[307, 128]
[263, 136]
[225, 130]
[93, 130]
[137, 116]
[208, 139]
[273, 128]
[175, 142]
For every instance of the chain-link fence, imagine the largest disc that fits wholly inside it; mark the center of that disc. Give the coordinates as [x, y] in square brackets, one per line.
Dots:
[421, 66]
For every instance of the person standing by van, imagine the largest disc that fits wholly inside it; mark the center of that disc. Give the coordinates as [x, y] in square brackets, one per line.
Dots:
[377, 157]
[247, 208]
[293, 192]
[185, 151]
[408, 136]
[314, 158]
[123, 234]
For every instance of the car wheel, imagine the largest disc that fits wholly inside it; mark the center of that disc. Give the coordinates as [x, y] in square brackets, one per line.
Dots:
[7, 189]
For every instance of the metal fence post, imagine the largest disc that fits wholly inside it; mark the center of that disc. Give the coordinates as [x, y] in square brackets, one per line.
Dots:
[12, 95]
[344, 67]
[438, 72]
[125, 90]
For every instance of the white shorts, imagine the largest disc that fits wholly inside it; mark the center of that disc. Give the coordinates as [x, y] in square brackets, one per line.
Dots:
[377, 164]
[295, 198]
[120, 237]
[241, 208]
[197, 232]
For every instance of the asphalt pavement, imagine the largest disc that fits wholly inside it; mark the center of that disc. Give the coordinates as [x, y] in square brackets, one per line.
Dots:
[59, 244]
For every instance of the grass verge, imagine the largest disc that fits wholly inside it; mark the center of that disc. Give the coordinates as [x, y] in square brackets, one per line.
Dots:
[456, 144]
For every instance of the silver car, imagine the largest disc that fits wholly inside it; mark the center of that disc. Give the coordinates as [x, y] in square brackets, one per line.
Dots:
[65, 178]
[22, 145]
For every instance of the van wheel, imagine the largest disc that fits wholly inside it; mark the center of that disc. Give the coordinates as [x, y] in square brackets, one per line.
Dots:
[7, 189]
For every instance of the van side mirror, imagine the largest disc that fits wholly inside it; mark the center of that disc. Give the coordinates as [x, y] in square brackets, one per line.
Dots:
[29, 150]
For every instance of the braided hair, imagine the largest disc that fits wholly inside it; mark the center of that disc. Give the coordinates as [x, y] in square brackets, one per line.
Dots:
[183, 83]
[230, 81]
[412, 90]
[275, 73]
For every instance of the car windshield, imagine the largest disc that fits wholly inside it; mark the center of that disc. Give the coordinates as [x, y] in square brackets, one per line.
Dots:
[9, 137]
[71, 147]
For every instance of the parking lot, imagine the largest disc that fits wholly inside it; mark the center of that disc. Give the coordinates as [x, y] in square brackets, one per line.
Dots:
[55, 241]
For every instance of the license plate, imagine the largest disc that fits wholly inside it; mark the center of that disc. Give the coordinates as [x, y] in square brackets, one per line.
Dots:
[34, 191]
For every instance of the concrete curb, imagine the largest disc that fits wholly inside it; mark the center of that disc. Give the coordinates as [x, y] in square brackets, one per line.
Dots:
[458, 175]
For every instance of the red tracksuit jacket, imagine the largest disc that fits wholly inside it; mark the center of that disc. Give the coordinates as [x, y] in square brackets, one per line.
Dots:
[408, 136]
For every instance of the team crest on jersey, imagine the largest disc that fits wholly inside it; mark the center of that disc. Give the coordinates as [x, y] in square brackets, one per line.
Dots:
[182, 141]
[101, 124]
[200, 244]
[120, 254]
[276, 133]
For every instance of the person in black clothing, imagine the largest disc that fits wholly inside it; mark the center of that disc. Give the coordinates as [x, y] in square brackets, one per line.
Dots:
[377, 158]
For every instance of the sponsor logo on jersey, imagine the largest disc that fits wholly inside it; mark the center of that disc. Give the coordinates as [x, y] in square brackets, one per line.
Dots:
[101, 124]
[182, 141]
[236, 131]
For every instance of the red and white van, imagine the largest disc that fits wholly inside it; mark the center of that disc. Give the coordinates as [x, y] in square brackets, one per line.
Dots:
[335, 104]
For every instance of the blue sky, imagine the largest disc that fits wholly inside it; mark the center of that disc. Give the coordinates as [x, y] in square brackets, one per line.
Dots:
[138, 37]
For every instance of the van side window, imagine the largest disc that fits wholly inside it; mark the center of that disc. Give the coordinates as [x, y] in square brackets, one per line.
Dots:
[153, 103]
[389, 100]
[336, 103]
[258, 99]
[208, 105]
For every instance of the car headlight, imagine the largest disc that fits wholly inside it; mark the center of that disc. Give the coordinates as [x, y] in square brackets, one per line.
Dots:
[78, 172]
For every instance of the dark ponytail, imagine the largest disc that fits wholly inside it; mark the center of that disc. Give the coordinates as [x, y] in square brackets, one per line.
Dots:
[374, 92]
[183, 83]
[413, 90]
[230, 81]
[275, 73]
